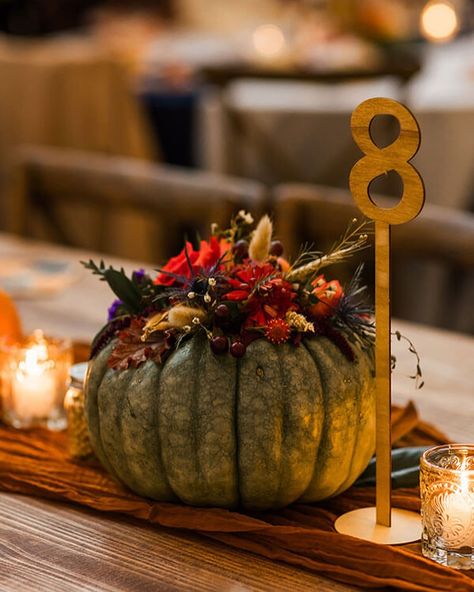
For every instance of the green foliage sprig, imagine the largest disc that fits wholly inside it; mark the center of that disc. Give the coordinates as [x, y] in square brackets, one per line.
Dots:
[123, 287]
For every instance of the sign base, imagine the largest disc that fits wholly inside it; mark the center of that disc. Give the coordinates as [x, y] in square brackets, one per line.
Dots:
[406, 526]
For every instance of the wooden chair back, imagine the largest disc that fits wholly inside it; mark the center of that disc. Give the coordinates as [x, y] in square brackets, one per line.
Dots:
[433, 254]
[121, 206]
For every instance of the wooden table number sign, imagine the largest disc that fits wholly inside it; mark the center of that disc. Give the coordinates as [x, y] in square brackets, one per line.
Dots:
[383, 524]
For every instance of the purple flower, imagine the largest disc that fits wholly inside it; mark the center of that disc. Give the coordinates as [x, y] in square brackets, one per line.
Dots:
[138, 275]
[113, 308]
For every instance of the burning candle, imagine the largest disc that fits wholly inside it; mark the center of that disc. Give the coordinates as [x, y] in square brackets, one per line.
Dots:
[447, 500]
[34, 380]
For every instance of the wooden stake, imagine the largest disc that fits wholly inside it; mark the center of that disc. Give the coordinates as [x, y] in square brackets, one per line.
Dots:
[383, 438]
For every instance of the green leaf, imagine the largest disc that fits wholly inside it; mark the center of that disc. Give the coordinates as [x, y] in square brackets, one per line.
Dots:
[124, 289]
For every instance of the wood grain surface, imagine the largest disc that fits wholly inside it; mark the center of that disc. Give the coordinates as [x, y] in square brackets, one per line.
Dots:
[55, 548]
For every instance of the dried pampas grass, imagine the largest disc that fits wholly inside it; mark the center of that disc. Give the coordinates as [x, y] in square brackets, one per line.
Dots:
[180, 316]
[157, 322]
[259, 248]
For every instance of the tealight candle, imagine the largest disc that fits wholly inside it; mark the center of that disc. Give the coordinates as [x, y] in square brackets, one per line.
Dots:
[33, 382]
[447, 504]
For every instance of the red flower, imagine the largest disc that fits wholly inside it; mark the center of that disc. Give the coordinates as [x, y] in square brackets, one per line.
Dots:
[277, 331]
[267, 294]
[207, 256]
[245, 278]
[328, 293]
[209, 253]
[237, 295]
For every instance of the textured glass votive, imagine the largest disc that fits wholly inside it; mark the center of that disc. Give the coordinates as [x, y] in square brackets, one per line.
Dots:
[33, 380]
[447, 504]
[79, 444]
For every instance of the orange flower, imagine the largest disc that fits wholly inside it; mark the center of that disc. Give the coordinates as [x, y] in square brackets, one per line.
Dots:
[328, 293]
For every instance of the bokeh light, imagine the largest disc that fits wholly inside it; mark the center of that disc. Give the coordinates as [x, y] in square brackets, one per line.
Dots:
[439, 21]
[269, 41]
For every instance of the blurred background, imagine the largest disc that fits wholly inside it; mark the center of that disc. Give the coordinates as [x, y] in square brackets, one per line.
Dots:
[125, 125]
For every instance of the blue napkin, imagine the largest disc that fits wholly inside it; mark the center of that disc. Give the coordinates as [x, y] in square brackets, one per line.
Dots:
[405, 468]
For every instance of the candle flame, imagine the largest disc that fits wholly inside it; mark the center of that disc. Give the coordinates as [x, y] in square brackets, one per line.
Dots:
[36, 360]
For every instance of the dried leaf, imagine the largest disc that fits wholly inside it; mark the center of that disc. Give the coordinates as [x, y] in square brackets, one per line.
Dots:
[130, 351]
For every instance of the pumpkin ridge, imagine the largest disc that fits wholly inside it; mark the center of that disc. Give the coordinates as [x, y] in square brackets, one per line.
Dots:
[196, 416]
[216, 437]
[197, 426]
[323, 406]
[236, 429]
[365, 444]
[325, 419]
[359, 392]
[303, 407]
[156, 413]
[258, 393]
[99, 366]
[138, 421]
[217, 440]
[338, 399]
[284, 423]
[171, 437]
[112, 392]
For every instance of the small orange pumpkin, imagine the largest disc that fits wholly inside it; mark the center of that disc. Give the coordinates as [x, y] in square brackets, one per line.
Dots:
[10, 324]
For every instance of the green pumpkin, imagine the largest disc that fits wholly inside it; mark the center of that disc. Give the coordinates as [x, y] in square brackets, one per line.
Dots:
[282, 424]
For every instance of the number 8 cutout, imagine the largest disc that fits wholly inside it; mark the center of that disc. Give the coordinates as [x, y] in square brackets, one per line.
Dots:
[378, 161]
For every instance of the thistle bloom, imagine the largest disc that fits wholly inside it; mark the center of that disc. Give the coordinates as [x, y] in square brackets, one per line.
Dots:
[113, 309]
[138, 275]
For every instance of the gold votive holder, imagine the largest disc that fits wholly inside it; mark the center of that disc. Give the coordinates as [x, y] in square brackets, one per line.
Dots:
[79, 445]
[33, 381]
[447, 504]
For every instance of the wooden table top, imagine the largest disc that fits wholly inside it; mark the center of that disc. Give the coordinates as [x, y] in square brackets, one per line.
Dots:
[54, 547]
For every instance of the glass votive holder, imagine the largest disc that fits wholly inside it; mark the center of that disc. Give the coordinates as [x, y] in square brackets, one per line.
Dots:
[447, 504]
[33, 381]
[79, 444]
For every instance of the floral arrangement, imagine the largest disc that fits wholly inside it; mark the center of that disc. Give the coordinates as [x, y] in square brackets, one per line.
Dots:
[235, 288]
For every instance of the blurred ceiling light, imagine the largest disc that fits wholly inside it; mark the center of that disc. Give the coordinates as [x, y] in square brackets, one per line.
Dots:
[269, 41]
[439, 21]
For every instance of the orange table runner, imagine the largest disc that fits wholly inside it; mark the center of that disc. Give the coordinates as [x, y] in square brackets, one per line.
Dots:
[36, 463]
